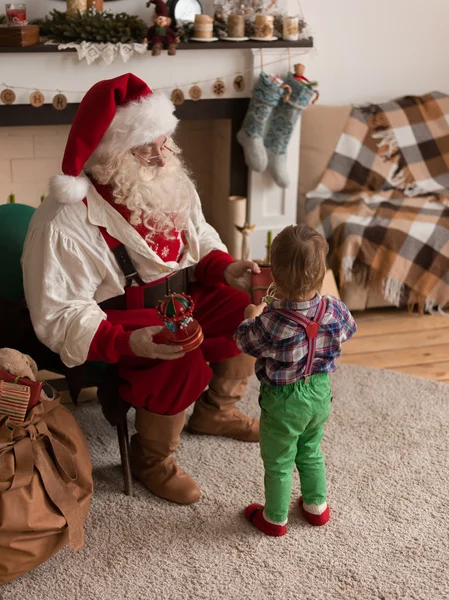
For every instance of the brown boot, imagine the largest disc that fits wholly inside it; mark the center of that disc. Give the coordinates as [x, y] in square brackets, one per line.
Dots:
[215, 412]
[156, 50]
[172, 50]
[152, 462]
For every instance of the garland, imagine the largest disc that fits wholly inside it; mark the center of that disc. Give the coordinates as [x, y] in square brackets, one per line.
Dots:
[92, 26]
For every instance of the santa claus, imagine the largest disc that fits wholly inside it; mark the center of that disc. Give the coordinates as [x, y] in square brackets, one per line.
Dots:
[120, 229]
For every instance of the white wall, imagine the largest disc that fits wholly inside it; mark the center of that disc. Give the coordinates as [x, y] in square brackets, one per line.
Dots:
[365, 49]
[378, 49]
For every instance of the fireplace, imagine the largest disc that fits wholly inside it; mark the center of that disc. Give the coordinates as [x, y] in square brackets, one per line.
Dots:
[207, 133]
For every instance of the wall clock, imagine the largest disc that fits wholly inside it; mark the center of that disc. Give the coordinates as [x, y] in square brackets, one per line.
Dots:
[184, 10]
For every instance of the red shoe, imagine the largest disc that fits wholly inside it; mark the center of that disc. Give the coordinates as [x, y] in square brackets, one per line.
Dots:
[254, 514]
[316, 520]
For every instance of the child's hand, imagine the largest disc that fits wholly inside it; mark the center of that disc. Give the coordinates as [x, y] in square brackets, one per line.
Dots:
[252, 311]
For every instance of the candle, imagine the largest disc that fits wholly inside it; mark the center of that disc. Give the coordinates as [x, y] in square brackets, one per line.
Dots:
[97, 4]
[203, 26]
[290, 29]
[74, 6]
[269, 242]
[16, 14]
[236, 26]
[264, 26]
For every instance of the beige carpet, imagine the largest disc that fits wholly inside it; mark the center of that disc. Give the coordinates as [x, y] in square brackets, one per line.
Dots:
[386, 451]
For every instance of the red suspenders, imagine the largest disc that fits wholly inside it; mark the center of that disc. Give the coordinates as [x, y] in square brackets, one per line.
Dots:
[311, 327]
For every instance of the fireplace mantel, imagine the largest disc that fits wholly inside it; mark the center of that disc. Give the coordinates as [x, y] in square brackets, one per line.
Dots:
[46, 69]
[220, 45]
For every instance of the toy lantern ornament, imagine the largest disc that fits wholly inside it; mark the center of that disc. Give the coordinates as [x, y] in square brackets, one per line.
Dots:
[181, 329]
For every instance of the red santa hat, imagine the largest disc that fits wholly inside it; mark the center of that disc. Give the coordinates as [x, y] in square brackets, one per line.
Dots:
[160, 8]
[115, 115]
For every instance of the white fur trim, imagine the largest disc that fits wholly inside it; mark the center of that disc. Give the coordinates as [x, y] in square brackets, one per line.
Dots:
[274, 522]
[138, 124]
[315, 509]
[67, 189]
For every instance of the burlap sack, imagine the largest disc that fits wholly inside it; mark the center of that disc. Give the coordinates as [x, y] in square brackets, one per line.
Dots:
[45, 487]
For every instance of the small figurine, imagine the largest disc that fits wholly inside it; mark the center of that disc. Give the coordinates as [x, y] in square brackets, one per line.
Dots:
[160, 36]
[181, 329]
[299, 76]
[246, 231]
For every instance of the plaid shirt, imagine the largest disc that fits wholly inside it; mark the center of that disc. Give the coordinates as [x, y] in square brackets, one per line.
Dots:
[280, 345]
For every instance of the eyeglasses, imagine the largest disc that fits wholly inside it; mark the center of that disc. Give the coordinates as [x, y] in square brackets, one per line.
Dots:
[154, 161]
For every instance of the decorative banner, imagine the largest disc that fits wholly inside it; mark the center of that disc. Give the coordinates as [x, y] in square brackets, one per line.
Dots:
[239, 83]
[195, 92]
[219, 87]
[59, 102]
[177, 97]
[37, 99]
[7, 97]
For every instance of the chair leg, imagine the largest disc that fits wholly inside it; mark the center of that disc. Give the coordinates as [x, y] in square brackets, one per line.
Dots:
[123, 440]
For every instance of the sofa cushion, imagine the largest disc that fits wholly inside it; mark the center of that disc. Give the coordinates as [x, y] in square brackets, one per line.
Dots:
[321, 127]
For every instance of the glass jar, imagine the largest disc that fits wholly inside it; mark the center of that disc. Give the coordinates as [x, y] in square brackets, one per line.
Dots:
[16, 14]
[290, 29]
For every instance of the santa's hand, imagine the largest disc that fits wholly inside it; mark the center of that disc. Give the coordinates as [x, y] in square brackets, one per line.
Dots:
[141, 343]
[238, 274]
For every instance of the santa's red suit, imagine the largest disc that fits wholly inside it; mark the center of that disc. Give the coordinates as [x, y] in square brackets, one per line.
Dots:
[91, 279]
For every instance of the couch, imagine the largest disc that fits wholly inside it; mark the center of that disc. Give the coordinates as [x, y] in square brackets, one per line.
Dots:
[321, 127]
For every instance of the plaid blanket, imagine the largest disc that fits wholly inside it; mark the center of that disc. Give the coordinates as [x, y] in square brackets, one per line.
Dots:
[383, 202]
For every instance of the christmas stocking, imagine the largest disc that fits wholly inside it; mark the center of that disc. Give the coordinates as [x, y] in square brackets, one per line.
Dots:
[283, 121]
[266, 95]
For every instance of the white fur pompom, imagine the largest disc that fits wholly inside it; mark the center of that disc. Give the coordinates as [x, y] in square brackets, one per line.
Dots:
[67, 189]
[137, 124]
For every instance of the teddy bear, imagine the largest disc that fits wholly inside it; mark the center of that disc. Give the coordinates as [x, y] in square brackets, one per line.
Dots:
[17, 363]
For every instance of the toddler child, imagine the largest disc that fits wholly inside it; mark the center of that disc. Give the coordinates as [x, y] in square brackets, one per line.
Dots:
[296, 340]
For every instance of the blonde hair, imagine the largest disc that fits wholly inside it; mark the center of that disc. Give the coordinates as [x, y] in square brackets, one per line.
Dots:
[298, 261]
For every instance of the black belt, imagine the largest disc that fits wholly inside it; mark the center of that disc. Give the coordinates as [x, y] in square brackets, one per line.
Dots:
[178, 283]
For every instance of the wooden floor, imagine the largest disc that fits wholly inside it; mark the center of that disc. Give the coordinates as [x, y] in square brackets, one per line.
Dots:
[399, 341]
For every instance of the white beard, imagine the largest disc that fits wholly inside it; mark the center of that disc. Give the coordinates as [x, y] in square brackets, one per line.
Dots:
[161, 198]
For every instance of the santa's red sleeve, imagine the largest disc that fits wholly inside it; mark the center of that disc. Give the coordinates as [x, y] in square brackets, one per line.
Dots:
[109, 343]
[210, 269]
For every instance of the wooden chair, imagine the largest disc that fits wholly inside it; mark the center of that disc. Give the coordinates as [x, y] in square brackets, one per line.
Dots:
[115, 410]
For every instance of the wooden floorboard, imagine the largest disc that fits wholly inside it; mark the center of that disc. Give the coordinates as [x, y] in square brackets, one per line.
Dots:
[396, 340]
[436, 371]
[401, 324]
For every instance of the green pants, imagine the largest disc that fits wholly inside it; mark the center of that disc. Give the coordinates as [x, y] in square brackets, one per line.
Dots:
[291, 430]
